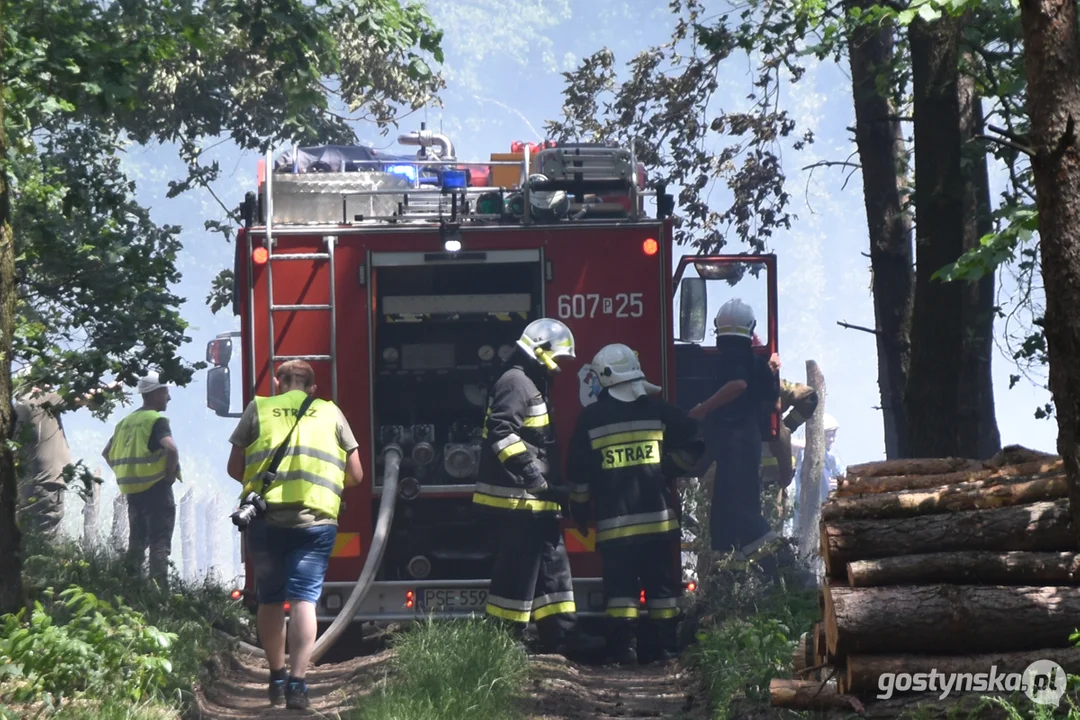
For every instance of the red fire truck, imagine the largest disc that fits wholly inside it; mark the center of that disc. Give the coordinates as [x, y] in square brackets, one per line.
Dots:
[405, 280]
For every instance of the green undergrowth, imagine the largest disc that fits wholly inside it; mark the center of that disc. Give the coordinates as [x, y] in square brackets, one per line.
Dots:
[99, 643]
[744, 639]
[747, 636]
[448, 670]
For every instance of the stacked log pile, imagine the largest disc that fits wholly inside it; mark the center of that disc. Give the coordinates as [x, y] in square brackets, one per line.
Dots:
[947, 564]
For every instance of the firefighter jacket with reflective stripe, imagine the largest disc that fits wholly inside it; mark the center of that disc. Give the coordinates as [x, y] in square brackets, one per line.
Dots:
[623, 457]
[136, 467]
[312, 471]
[517, 449]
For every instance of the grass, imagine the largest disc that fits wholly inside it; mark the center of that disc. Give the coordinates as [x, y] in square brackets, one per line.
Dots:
[92, 614]
[106, 710]
[450, 670]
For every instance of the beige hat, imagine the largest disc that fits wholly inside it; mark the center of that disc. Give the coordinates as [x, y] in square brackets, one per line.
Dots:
[150, 383]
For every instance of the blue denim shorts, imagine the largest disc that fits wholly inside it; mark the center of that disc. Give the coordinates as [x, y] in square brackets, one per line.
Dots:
[289, 563]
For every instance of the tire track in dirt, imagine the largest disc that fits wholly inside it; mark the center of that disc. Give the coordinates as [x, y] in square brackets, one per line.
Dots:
[558, 690]
[238, 688]
[562, 690]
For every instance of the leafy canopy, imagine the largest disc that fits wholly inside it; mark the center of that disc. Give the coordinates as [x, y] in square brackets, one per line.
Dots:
[84, 78]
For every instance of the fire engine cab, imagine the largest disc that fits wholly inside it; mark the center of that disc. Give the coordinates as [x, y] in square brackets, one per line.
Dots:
[405, 280]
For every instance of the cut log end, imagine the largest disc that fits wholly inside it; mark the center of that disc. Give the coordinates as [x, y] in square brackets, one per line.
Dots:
[807, 695]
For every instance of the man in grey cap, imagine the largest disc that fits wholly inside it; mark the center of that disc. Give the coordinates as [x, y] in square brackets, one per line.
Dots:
[43, 453]
[144, 457]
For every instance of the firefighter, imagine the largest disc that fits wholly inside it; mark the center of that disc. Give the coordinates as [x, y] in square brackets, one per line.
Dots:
[732, 426]
[777, 459]
[624, 453]
[518, 488]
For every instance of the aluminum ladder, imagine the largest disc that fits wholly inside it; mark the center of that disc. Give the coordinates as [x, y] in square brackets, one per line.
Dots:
[311, 257]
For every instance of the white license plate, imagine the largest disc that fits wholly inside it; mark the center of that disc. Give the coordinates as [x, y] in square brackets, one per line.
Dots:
[452, 599]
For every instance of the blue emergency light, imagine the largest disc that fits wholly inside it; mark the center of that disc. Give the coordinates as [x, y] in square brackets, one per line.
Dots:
[454, 179]
[405, 171]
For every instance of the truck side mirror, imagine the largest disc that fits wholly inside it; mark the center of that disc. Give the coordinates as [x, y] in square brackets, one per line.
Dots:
[219, 350]
[693, 309]
[219, 391]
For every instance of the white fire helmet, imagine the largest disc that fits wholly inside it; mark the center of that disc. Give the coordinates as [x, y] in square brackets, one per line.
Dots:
[830, 423]
[619, 371]
[735, 318]
[545, 340]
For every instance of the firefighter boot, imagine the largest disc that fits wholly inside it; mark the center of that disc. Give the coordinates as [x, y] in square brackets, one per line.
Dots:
[579, 645]
[621, 642]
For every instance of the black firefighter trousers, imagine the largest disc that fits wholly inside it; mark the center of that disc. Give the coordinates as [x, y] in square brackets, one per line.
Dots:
[531, 577]
[735, 517]
[650, 564]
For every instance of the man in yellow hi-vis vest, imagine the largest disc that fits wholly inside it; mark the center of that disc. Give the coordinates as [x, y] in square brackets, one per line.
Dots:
[144, 457]
[289, 544]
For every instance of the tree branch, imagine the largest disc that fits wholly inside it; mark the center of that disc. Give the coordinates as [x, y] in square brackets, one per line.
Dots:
[1007, 143]
[849, 326]
[833, 163]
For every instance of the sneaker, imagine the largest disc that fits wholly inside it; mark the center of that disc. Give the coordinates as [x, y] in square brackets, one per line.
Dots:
[277, 687]
[296, 695]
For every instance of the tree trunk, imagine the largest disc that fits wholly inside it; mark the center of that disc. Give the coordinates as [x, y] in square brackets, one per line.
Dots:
[981, 495]
[946, 384]
[913, 466]
[806, 695]
[968, 568]
[119, 535]
[187, 535]
[1052, 67]
[11, 587]
[883, 158]
[809, 501]
[946, 618]
[856, 486]
[863, 671]
[978, 428]
[1041, 526]
[90, 512]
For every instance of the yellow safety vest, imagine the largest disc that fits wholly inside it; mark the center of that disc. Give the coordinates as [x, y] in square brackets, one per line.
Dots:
[312, 471]
[136, 468]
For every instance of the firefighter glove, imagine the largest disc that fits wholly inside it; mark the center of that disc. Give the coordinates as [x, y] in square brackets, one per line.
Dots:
[533, 479]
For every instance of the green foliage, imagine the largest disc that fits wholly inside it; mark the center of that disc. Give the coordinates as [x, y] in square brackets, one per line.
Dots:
[81, 78]
[745, 642]
[99, 648]
[455, 669]
[134, 615]
[994, 248]
[664, 107]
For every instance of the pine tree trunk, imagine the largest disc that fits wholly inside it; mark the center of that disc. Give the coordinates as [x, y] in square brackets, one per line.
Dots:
[949, 381]
[978, 428]
[11, 588]
[1052, 66]
[883, 158]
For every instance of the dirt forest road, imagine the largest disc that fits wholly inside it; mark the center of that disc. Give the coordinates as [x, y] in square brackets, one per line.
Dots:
[559, 690]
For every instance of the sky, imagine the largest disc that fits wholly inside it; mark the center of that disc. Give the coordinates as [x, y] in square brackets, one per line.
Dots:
[503, 64]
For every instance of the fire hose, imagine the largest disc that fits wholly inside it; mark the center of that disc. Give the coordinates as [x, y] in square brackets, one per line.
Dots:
[392, 456]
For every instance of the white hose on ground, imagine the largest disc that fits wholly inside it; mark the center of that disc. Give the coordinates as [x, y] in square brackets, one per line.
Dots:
[391, 466]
